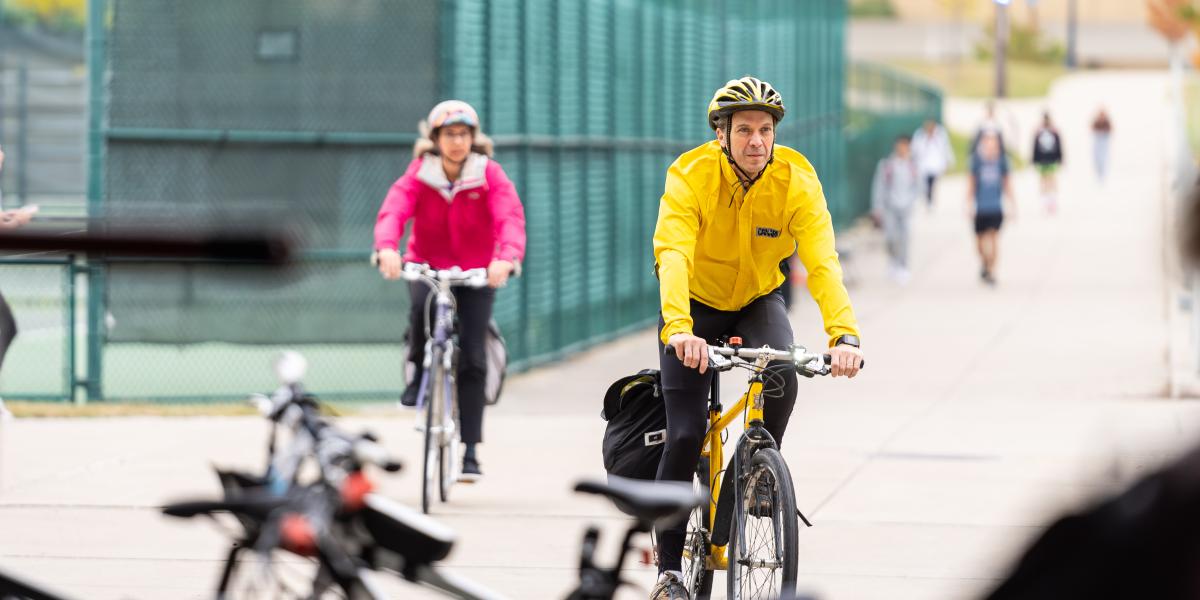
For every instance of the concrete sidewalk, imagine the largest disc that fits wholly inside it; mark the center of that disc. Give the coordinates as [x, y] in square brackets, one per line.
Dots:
[982, 413]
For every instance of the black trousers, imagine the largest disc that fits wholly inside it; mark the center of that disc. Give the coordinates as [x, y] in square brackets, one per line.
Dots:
[685, 393]
[8, 328]
[474, 309]
[930, 181]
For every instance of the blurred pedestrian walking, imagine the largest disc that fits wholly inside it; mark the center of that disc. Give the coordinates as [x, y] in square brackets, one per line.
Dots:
[894, 193]
[1048, 157]
[988, 189]
[934, 155]
[990, 124]
[1101, 136]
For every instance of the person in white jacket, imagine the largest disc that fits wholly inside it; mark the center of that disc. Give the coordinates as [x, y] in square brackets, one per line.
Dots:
[934, 155]
[894, 193]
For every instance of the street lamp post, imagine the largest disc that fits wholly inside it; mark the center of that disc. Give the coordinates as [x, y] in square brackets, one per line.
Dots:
[1001, 48]
[1072, 32]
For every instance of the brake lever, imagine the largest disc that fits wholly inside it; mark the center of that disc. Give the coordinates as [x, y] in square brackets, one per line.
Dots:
[718, 362]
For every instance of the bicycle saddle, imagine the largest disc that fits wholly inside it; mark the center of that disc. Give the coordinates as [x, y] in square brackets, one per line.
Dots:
[255, 507]
[648, 501]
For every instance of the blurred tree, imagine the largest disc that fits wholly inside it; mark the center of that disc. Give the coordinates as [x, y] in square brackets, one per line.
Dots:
[1025, 44]
[53, 15]
[1167, 16]
[1174, 19]
[872, 9]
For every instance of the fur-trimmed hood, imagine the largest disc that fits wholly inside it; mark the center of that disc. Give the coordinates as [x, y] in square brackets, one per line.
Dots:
[424, 145]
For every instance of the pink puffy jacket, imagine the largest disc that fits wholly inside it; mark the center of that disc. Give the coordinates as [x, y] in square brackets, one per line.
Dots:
[466, 223]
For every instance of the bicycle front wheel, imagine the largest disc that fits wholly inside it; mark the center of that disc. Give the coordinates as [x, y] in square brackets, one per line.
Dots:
[763, 551]
[430, 475]
[697, 577]
[448, 457]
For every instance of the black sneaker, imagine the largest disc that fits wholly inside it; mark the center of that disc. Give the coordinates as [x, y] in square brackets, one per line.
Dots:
[409, 397]
[669, 588]
[470, 471]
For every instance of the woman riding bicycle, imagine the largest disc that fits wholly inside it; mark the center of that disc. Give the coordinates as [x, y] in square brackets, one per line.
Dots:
[465, 214]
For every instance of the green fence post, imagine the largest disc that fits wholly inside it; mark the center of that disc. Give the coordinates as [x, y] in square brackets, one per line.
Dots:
[69, 283]
[97, 56]
[446, 73]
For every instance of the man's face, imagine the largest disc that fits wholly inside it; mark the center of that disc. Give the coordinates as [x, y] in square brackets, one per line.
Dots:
[454, 141]
[752, 136]
[902, 148]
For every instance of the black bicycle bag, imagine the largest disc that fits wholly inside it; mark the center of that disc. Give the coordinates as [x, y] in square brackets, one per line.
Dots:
[637, 426]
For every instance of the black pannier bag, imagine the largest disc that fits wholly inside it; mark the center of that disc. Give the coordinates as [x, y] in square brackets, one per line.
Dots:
[637, 426]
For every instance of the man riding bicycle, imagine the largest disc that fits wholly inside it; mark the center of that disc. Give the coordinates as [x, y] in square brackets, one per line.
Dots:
[734, 208]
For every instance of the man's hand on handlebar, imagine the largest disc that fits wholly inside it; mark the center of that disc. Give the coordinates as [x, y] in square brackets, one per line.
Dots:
[390, 263]
[845, 360]
[692, 351]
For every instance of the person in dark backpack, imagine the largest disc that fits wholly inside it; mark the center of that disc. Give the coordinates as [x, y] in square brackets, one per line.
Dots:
[732, 209]
[1048, 157]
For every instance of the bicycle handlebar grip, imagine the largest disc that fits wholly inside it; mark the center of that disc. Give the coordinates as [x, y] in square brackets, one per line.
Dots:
[829, 361]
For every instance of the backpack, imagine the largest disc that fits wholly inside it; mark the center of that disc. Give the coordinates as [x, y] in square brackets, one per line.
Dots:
[497, 363]
[636, 433]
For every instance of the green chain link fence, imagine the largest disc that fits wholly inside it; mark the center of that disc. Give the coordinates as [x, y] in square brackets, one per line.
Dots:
[41, 363]
[225, 110]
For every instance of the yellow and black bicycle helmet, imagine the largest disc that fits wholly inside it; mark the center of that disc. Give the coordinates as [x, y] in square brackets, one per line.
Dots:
[747, 93]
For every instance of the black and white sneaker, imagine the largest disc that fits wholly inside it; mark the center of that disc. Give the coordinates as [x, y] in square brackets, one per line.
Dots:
[669, 588]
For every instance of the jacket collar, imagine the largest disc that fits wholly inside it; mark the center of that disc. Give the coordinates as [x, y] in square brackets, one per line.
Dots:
[474, 175]
[729, 176]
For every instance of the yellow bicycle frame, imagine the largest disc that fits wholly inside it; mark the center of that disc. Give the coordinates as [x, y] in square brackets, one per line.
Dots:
[714, 449]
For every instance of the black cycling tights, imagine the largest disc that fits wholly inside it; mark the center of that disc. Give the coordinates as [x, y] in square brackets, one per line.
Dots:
[474, 312]
[685, 393]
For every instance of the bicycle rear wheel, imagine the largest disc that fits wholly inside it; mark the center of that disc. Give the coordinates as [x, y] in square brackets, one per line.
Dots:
[697, 577]
[763, 550]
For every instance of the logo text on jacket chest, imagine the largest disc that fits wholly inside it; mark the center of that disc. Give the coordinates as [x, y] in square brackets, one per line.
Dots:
[766, 232]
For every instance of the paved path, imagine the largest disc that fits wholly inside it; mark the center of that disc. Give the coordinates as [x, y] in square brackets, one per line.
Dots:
[982, 412]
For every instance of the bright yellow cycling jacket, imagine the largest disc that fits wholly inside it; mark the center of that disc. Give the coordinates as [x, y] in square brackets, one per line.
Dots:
[722, 246]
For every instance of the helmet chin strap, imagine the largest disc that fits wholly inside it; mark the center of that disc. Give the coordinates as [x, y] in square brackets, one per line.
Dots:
[744, 178]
